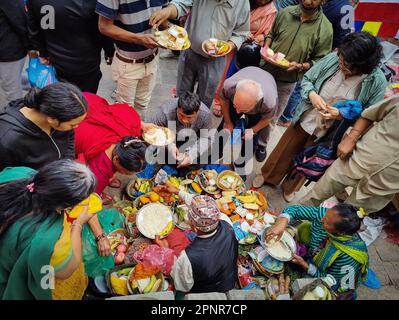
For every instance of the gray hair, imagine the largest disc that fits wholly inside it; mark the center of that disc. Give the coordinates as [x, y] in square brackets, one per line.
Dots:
[252, 87]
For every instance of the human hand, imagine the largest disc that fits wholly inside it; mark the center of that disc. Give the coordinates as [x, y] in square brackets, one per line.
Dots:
[185, 162]
[249, 134]
[159, 17]
[228, 126]
[276, 231]
[172, 189]
[259, 39]
[163, 243]
[84, 217]
[346, 147]
[148, 126]
[147, 40]
[317, 101]
[300, 262]
[250, 38]
[331, 113]
[104, 247]
[45, 61]
[295, 66]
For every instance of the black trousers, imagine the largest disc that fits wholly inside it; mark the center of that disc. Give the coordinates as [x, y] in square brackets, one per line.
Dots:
[88, 82]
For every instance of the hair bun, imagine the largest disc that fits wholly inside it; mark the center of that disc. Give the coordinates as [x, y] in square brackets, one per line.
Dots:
[31, 99]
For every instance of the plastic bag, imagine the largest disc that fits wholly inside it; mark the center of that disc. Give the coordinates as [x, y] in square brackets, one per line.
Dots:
[95, 265]
[40, 75]
[156, 256]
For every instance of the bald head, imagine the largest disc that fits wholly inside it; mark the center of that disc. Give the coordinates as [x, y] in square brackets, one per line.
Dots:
[248, 94]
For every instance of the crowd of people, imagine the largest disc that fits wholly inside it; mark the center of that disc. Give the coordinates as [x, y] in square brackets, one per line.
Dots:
[63, 142]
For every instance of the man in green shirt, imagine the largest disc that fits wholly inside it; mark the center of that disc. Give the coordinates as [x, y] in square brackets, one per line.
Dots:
[304, 34]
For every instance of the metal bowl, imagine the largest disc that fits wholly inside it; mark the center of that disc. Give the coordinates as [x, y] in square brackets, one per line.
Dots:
[159, 207]
[286, 238]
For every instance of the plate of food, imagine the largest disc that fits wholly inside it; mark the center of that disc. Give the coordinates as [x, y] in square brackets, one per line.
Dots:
[173, 38]
[159, 136]
[229, 181]
[275, 58]
[216, 48]
[155, 219]
[207, 179]
[180, 217]
[283, 249]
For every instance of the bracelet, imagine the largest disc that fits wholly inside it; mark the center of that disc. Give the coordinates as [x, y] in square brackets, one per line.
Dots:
[100, 237]
[77, 224]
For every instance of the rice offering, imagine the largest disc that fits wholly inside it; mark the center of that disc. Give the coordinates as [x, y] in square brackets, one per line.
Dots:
[158, 136]
[279, 249]
[154, 219]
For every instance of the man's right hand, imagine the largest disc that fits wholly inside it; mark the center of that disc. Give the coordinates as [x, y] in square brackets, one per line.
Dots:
[346, 147]
[160, 16]
[147, 40]
[229, 126]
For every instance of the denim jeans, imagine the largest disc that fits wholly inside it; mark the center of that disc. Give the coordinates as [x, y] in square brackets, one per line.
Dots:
[292, 104]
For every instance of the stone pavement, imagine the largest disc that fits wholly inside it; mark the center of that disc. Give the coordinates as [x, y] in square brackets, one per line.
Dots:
[384, 256]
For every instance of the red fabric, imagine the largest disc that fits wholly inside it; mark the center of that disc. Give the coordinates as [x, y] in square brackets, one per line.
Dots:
[382, 12]
[104, 125]
[103, 169]
[178, 241]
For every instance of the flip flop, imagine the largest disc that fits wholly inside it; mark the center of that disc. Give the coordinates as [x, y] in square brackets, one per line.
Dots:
[115, 183]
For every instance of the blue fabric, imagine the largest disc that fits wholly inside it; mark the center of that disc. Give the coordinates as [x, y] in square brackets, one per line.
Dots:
[292, 104]
[372, 280]
[217, 167]
[233, 68]
[169, 170]
[148, 172]
[349, 109]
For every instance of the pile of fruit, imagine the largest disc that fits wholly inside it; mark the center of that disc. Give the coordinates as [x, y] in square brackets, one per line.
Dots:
[276, 57]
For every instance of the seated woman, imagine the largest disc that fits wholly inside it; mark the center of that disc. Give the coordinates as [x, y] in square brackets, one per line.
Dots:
[106, 141]
[35, 234]
[334, 246]
[352, 73]
[39, 129]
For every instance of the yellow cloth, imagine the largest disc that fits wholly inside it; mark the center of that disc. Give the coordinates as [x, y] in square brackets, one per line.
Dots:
[74, 287]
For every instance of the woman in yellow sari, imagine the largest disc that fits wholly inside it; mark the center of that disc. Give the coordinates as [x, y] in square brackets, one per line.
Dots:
[40, 245]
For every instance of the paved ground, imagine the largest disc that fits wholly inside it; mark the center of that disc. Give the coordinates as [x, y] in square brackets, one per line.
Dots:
[384, 255]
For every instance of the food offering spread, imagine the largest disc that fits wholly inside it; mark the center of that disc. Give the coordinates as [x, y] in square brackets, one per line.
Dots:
[173, 38]
[275, 58]
[216, 48]
[159, 136]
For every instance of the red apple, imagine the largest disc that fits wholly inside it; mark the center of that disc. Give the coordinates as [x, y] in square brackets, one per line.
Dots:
[121, 248]
[119, 258]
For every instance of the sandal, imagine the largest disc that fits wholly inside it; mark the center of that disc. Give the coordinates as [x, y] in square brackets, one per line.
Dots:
[107, 199]
[217, 110]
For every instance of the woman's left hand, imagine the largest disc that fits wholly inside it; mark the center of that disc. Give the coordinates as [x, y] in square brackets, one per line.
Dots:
[260, 39]
[300, 261]
[104, 247]
[331, 113]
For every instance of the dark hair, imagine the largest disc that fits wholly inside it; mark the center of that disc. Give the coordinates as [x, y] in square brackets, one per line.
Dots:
[131, 153]
[58, 185]
[254, 5]
[349, 222]
[361, 51]
[248, 55]
[189, 102]
[61, 101]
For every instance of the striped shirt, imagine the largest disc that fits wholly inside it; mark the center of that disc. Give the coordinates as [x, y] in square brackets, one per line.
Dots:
[133, 16]
[343, 263]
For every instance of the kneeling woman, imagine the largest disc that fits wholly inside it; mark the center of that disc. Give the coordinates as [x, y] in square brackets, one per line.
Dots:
[106, 141]
[36, 236]
[334, 246]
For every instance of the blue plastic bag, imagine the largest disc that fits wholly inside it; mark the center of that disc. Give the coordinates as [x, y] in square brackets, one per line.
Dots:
[40, 75]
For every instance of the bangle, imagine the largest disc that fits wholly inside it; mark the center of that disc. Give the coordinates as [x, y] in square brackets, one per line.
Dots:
[100, 237]
[77, 224]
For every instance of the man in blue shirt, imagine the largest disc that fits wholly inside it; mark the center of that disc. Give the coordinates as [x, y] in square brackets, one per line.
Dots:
[136, 61]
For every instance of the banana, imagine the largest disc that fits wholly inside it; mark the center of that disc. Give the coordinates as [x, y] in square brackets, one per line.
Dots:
[124, 272]
[248, 199]
[156, 286]
[150, 285]
[167, 229]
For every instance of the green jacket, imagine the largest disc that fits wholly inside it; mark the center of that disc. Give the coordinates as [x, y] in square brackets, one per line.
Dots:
[372, 91]
[300, 42]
